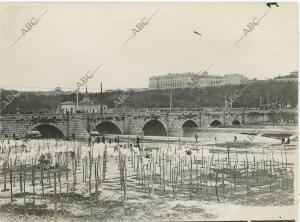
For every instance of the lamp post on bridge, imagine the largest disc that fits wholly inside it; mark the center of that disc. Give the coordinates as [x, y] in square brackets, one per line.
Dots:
[200, 117]
[68, 125]
[171, 94]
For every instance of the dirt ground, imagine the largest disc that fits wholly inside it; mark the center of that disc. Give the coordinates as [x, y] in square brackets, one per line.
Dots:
[198, 203]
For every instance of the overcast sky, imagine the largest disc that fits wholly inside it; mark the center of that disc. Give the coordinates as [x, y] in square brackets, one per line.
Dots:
[71, 39]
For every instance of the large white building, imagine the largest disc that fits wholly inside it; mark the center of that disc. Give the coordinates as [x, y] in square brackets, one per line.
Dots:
[189, 80]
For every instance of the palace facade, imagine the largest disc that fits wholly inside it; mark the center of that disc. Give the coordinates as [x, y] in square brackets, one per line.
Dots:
[189, 80]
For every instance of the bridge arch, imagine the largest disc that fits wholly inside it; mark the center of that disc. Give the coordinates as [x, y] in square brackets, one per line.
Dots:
[47, 130]
[108, 127]
[155, 128]
[236, 122]
[215, 123]
[187, 126]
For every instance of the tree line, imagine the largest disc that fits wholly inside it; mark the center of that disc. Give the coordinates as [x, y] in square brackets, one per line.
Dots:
[256, 94]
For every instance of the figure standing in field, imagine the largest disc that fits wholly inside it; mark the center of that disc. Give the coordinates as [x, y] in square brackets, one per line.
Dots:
[196, 138]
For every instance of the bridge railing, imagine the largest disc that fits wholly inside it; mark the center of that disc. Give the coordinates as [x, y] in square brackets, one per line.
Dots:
[65, 116]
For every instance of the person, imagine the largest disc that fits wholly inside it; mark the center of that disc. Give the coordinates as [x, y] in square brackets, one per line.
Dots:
[196, 138]
[115, 148]
[235, 138]
[103, 139]
[282, 140]
[288, 140]
[138, 140]
[215, 138]
[118, 140]
[148, 156]
[188, 152]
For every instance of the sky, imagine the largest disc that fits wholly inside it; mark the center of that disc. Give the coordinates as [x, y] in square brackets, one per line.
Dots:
[71, 39]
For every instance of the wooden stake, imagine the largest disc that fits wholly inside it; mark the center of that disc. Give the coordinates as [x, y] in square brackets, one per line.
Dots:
[33, 187]
[24, 183]
[21, 182]
[55, 201]
[4, 172]
[10, 181]
[96, 177]
[270, 175]
[83, 171]
[59, 174]
[42, 177]
[49, 177]
[104, 164]
[125, 183]
[74, 172]
[67, 173]
[90, 182]
[216, 185]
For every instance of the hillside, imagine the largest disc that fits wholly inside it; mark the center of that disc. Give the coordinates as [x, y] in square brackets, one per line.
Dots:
[267, 91]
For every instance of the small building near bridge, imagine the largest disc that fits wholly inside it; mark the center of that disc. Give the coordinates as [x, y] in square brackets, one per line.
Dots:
[86, 105]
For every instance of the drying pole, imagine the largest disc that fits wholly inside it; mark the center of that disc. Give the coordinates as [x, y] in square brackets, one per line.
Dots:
[10, 181]
[55, 201]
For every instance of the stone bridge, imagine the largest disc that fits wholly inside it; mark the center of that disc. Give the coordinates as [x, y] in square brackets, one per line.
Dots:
[130, 123]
